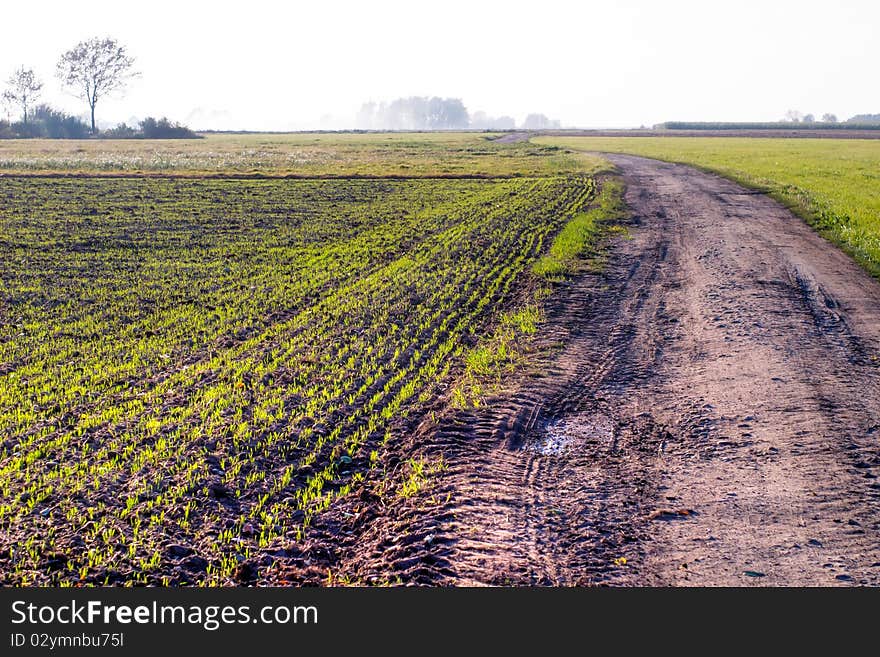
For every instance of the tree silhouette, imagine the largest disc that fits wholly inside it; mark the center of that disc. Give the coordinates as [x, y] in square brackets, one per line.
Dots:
[23, 90]
[95, 68]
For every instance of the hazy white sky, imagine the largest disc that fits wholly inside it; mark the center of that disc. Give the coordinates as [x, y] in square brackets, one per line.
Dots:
[296, 65]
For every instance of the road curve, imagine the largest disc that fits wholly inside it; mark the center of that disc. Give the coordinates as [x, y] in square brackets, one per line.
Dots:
[766, 368]
[707, 412]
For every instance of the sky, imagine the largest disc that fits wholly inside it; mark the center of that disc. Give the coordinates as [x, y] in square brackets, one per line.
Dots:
[293, 65]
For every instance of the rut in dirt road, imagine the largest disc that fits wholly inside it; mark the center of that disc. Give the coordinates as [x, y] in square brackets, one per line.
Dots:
[767, 374]
[711, 418]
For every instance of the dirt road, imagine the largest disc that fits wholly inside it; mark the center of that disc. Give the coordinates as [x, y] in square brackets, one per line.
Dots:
[710, 416]
[763, 346]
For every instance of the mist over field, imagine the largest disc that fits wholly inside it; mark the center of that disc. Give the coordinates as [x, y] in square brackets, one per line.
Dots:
[618, 64]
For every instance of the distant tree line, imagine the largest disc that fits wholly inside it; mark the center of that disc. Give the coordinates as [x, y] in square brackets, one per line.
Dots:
[151, 128]
[803, 121]
[793, 116]
[414, 113]
[91, 70]
[45, 122]
[482, 121]
[856, 123]
[865, 119]
[434, 113]
[539, 122]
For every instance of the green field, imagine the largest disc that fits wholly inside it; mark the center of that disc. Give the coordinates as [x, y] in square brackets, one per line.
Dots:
[191, 368]
[834, 184]
[203, 344]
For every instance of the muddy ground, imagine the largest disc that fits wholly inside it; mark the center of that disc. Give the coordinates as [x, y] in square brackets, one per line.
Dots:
[706, 412]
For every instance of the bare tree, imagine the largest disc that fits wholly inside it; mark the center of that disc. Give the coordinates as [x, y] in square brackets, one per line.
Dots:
[23, 90]
[794, 116]
[829, 118]
[809, 118]
[94, 69]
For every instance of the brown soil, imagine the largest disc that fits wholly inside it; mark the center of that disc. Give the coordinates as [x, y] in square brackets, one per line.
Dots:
[708, 415]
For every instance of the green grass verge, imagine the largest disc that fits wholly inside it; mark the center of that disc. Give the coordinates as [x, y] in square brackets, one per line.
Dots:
[578, 237]
[509, 346]
[833, 184]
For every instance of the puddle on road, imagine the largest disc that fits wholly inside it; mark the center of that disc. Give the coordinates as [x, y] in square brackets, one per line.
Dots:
[557, 436]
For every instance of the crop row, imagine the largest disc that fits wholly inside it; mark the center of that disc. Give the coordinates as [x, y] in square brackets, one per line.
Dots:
[189, 370]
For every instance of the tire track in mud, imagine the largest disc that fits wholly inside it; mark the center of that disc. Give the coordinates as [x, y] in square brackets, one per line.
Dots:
[779, 361]
[526, 500]
[708, 415]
